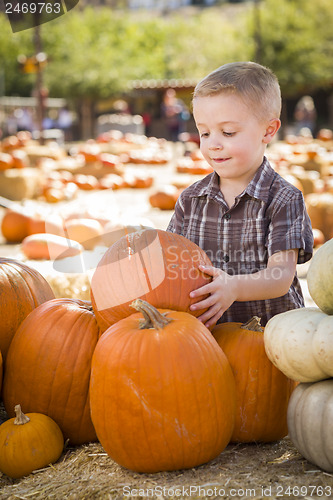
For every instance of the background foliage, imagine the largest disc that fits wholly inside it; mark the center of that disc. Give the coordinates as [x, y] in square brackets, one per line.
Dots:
[95, 52]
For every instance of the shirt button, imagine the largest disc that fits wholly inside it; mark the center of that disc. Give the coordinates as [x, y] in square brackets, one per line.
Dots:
[226, 216]
[226, 258]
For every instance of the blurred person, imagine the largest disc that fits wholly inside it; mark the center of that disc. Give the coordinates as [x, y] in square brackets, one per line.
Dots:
[305, 114]
[24, 119]
[64, 122]
[173, 111]
[11, 124]
[147, 119]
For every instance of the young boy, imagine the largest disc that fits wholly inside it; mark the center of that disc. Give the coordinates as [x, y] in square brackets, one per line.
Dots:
[252, 224]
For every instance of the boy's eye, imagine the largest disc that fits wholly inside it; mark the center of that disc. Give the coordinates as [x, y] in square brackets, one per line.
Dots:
[204, 134]
[229, 134]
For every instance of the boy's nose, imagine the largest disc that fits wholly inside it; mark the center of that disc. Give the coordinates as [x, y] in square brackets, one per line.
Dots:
[215, 146]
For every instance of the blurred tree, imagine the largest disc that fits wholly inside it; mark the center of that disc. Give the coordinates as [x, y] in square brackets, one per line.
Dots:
[11, 46]
[94, 53]
[297, 43]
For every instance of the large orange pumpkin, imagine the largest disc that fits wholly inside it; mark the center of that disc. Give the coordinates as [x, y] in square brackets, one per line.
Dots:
[22, 290]
[1, 368]
[262, 391]
[154, 265]
[162, 392]
[48, 366]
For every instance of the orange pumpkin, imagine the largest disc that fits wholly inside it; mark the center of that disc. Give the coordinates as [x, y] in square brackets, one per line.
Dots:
[155, 265]
[86, 231]
[90, 151]
[1, 369]
[40, 223]
[164, 198]
[10, 142]
[20, 158]
[22, 290]
[320, 209]
[49, 246]
[28, 442]
[262, 391]
[48, 366]
[86, 182]
[14, 226]
[6, 161]
[162, 392]
[325, 135]
[318, 237]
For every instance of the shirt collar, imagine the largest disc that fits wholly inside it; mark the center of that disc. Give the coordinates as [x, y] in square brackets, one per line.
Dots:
[260, 184]
[258, 187]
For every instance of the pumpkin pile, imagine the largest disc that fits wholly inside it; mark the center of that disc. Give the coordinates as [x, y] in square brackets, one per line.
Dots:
[50, 236]
[135, 369]
[156, 369]
[307, 163]
[51, 173]
[300, 344]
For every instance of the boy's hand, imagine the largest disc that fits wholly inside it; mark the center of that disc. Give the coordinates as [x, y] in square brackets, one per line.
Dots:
[221, 294]
[223, 290]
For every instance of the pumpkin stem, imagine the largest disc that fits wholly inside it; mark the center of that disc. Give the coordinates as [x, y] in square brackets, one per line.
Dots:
[152, 317]
[20, 418]
[253, 324]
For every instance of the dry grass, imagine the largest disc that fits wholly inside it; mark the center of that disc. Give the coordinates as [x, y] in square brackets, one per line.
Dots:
[240, 471]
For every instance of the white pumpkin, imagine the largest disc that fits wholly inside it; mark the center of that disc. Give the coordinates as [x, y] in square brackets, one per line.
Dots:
[300, 344]
[320, 277]
[310, 418]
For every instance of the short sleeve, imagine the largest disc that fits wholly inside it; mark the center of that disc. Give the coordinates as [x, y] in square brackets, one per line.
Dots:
[290, 228]
[176, 223]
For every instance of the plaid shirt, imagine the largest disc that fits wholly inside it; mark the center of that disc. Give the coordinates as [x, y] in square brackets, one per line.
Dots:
[267, 217]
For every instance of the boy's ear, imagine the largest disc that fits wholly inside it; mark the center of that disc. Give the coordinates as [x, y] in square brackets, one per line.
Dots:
[272, 127]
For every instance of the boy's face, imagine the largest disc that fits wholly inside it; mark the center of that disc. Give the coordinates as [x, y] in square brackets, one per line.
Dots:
[232, 138]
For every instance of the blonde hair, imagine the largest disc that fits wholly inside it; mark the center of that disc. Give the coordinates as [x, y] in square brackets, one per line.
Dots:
[257, 86]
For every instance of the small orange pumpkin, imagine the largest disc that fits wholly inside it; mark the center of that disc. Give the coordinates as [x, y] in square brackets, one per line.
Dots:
[14, 226]
[164, 198]
[6, 161]
[28, 442]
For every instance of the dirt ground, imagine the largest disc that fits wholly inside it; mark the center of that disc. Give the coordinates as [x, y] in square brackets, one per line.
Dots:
[274, 470]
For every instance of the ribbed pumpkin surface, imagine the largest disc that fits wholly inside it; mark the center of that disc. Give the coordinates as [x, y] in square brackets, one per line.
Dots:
[48, 366]
[262, 391]
[310, 417]
[154, 265]
[1, 369]
[22, 290]
[161, 399]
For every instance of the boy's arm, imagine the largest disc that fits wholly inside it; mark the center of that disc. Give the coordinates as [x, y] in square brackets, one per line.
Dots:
[223, 290]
